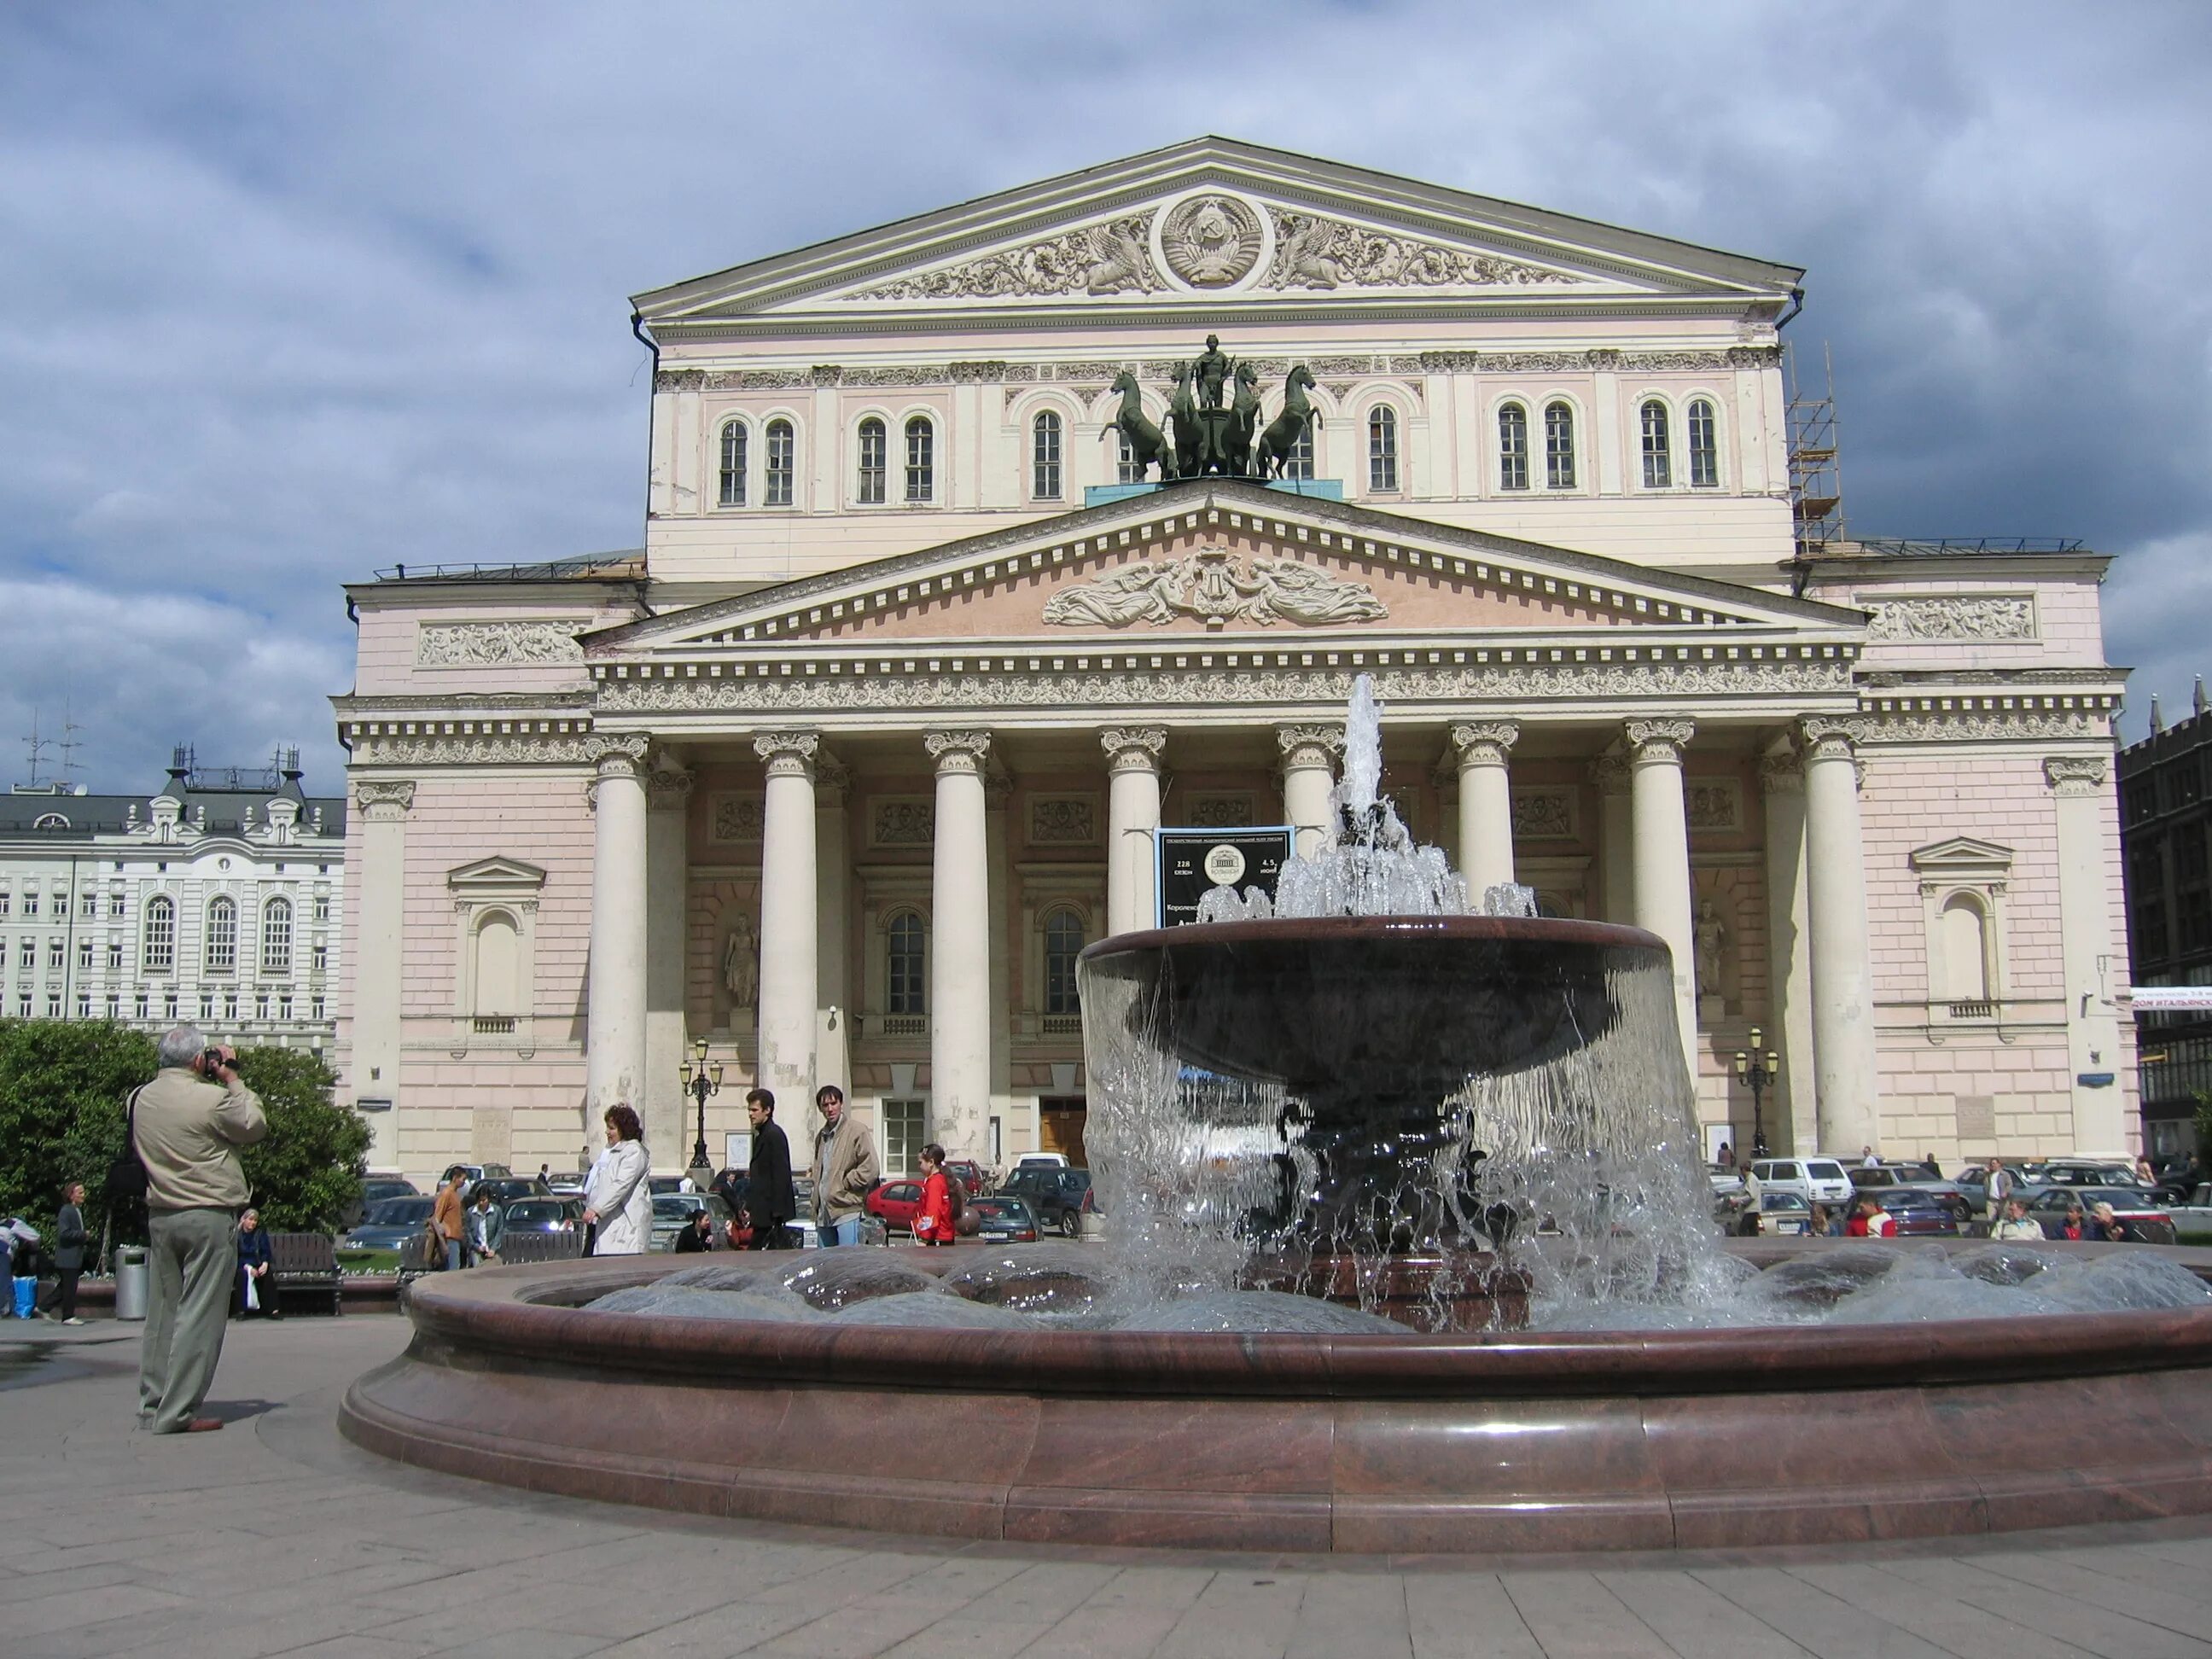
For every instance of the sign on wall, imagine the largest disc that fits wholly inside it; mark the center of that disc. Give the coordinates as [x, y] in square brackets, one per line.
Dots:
[1190, 860]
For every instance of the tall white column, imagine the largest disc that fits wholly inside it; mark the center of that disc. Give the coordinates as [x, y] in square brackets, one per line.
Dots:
[1843, 976]
[2092, 956]
[1486, 803]
[1616, 839]
[1789, 953]
[670, 1130]
[960, 966]
[787, 943]
[1005, 953]
[833, 890]
[1132, 813]
[614, 1008]
[1662, 860]
[378, 899]
[1309, 776]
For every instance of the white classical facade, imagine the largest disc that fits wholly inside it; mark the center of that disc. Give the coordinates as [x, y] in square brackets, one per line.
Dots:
[838, 771]
[217, 900]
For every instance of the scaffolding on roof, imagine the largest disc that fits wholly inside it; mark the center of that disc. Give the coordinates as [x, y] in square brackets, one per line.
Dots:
[1816, 484]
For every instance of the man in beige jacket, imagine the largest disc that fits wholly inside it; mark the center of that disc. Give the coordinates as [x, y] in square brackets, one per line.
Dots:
[190, 1122]
[844, 1169]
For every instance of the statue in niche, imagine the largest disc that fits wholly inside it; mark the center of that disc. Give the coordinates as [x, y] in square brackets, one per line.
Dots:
[741, 964]
[1710, 936]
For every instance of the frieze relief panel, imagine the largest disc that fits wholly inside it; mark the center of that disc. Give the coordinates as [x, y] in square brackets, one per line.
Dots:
[1114, 257]
[481, 645]
[902, 822]
[1961, 616]
[1713, 803]
[1313, 252]
[1216, 587]
[1063, 821]
[736, 819]
[1219, 811]
[1544, 812]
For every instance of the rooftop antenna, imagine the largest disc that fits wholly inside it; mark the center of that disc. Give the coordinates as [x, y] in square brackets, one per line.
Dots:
[69, 745]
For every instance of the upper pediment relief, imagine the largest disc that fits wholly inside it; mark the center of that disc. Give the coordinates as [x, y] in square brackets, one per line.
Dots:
[1208, 218]
[1224, 559]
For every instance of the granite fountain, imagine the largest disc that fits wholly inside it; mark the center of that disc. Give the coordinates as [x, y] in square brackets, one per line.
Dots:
[1408, 1249]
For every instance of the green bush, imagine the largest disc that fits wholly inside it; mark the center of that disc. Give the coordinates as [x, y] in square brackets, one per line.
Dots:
[62, 1087]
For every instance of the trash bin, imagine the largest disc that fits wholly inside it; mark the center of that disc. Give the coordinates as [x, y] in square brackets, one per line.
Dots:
[130, 1282]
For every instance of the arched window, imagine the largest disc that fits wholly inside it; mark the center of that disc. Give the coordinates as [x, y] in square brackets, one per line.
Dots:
[1299, 463]
[1658, 462]
[875, 462]
[902, 965]
[223, 937]
[733, 464]
[1044, 457]
[1063, 942]
[1512, 447]
[1966, 950]
[1382, 449]
[1705, 446]
[158, 953]
[1559, 445]
[496, 981]
[276, 937]
[1127, 469]
[782, 465]
[921, 459]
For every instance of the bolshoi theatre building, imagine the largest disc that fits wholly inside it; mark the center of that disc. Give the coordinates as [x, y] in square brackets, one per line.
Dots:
[838, 772]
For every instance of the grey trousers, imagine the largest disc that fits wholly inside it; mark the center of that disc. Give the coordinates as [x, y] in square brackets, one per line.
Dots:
[187, 1304]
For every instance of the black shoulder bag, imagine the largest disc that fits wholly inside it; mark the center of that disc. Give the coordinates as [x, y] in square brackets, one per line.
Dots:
[126, 1177]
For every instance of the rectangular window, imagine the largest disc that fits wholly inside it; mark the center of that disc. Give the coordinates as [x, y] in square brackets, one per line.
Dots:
[114, 1005]
[115, 955]
[1382, 451]
[920, 466]
[88, 906]
[169, 1005]
[1559, 447]
[230, 1005]
[733, 492]
[1127, 469]
[53, 1005]
[207, 1005]
[142, 1005]
[1658, 457]
[874, 463]
[1704, 447]
[321, 958]
[782, 462]
[1512, 447]
[84, 1004]
[54, 948]
[317, 1004]
[26, 954]
[283, 1007]
[115, 907]
[23, 1006]
[1299, 463]
[261, 1007]
[903, 1136]
[322, 907]
[1044, 457]
[6, 900]
[30, 906]
[84, 955]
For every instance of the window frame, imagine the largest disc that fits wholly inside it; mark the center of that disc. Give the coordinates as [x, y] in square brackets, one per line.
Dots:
[276, 953]
[1655, 442]
[919, 435]
[1061, 993]
[1512, 447]
[906, 982]
[1562, 467]
[1048, 428]
[161, 914]
[1385, 474]
[871, 471]
[212, 935]
[780, 435]
[731, 486]
[1705, 459]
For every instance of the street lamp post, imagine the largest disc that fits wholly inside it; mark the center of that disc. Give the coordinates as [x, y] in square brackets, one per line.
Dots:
[701, 1080]
[1758, 1071]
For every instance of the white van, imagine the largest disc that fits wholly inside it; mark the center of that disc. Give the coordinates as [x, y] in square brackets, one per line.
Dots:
[1815, 1180]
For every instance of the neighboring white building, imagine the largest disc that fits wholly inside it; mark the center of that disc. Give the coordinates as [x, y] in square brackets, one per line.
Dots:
[217, 900]
[841, 768]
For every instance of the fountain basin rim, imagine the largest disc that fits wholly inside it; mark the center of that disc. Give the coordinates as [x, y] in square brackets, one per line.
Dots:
[1531, 930]
[524, 1312]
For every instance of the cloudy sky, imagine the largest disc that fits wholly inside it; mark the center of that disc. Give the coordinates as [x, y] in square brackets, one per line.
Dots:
[289, 294]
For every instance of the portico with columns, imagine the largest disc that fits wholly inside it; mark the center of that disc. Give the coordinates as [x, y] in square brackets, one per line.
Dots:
[840, 784]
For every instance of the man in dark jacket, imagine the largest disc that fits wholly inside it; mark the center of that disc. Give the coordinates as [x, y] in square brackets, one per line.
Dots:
[69, 1251]
[768, 1192]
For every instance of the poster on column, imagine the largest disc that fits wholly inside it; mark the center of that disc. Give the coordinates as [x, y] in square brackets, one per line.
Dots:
[1188, 861]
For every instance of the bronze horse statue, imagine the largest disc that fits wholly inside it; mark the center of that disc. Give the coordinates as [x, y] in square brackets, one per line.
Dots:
[1189, 435]
[1283, 433]
[1243, 424]
[1147, 444]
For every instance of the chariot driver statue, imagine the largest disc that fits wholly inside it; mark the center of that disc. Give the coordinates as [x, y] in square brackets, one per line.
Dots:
[1211, 372]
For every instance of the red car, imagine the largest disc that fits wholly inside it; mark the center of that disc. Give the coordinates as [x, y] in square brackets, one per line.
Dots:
[896, 1203]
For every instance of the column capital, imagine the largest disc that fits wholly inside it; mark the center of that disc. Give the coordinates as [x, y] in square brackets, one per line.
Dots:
[1309, 745]
[1484, 742]
[1781, 775]
[1610, 773]
[1134, 748]
[384, 800]
[668, 789]
[832, 778]
[958, 751]
[1658, 739]
[2075, 775]
[788, 754]
[1830, 738]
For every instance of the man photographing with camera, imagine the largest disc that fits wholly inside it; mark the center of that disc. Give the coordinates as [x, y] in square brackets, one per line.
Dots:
[187, 1126]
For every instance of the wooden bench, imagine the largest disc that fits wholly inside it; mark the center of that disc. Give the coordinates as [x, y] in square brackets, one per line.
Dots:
[304, 1261]
[517, 1248]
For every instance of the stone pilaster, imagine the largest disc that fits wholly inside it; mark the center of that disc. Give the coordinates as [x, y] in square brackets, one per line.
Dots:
[960, 909]
[1845, 1079]
[667, 801]
[615, 999]
[1308, 776]
[1789, 957]
[833, 901]
[1616, 839]
[1660, 814]
[1132, 813]
[1486, 802]
[787, 915]
[378, 899]
[2083, 805]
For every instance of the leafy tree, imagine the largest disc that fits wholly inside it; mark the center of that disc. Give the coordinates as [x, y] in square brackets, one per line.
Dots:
[62, 1087]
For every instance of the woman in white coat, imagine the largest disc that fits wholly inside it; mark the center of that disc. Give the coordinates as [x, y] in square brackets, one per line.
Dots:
[618, 1202]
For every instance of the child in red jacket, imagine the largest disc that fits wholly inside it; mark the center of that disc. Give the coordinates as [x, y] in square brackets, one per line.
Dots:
[933, 1222]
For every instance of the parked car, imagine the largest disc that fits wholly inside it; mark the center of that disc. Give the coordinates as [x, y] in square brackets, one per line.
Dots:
[377, 1188]
[661, 1186]
[392, 1224]
[1042, 1161]
[1815, 1180]
[1973, 1182]
[2193, 1214]
[1059, 1196]
[2081, 1172]
[896, 1203]
[1772, 1215]
[552, 1215]
[973, 1175]
[1921, 1214]
[1886, 1178]
[2145, 1216]
[567, 1186]
[1005, 1221]
[672, 1214]
[505, 1189]
[1726, 1182]
[476, 1172]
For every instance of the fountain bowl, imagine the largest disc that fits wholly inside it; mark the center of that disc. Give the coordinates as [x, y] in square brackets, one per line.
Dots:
[1466, 1444]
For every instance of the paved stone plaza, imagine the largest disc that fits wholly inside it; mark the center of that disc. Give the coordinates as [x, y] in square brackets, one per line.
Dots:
[274, 1537]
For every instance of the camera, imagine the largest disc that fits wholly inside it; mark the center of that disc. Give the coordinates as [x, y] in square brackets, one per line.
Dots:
[211, 1063]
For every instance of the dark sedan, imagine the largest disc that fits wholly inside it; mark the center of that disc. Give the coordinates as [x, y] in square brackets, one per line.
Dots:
[544, 1215]
[1059, 1197]
[393, 1224]
[1004, 1221]
[1920, 1214]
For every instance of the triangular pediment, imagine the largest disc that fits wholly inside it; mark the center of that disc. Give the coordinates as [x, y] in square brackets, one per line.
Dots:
[1961, 856]
[1226, 560]
[1216, 219]
[496, 874]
